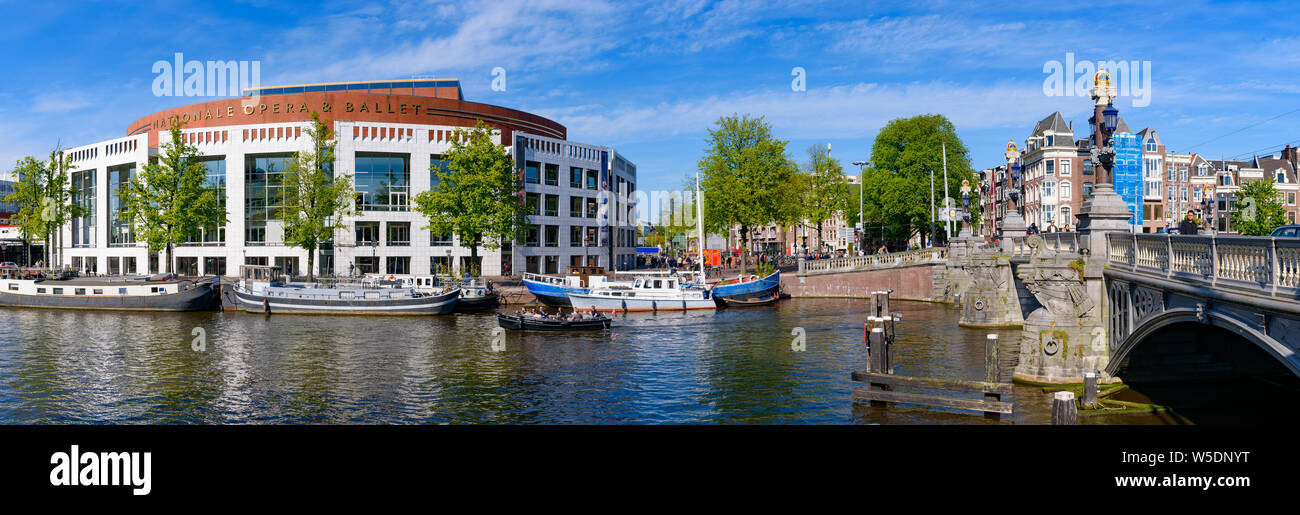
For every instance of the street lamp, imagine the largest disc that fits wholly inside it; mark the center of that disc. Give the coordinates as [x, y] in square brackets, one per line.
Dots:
[862, 229]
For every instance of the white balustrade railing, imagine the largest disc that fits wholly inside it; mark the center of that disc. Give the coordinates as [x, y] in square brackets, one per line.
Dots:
[892, 259]
[1258, 264]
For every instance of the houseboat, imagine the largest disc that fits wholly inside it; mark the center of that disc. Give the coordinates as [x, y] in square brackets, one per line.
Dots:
[554, 291]
[645, 294]
[64, 290]
[261, 290]
[744, 291]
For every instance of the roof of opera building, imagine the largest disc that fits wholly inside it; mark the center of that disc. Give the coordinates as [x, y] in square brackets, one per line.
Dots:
[416, 87]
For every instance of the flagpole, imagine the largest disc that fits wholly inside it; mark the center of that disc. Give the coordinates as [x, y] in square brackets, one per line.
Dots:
[699, 217]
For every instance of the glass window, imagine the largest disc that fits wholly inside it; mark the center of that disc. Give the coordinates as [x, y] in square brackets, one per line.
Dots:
[399, 234]
[383, 181]
[552, 205]
[531, 173]
[1065, 190]
[575, 235]
[367, 233]
[591, 208]
[552, 236]
[531, 201]
[552, 264]
[440, 240]
[592, 180]
[400, 265]
[552, 175]
[263, 193]
[119, 230]
[575, 177]
[83, 194]
[436, 164]
[1050, 167]
[576, 205]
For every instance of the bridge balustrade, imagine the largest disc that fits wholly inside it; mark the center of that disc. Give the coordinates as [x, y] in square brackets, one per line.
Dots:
[1257, 264]
[855, 263]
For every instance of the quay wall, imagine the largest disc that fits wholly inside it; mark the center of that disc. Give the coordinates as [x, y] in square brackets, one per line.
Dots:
[908, 283]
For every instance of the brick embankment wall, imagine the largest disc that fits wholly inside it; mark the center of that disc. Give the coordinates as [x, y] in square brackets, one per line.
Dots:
[908, 283]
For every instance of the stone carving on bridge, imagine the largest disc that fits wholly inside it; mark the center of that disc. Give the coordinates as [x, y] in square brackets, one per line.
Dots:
[987, 288]
[1066, 335]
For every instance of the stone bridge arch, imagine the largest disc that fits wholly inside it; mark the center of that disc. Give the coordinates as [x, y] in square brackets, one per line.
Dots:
[1245, 329]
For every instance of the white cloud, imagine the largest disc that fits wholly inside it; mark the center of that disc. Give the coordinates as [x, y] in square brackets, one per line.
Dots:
[830, 112]
[60, 102]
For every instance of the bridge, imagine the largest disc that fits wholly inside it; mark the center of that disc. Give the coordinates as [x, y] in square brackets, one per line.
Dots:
[1144, 304]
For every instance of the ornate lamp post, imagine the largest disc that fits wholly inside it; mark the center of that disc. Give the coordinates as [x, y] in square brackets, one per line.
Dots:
[1013, 223]
[1105, 210]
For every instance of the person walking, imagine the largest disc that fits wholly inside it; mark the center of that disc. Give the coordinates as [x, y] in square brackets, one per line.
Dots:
[1188, 226]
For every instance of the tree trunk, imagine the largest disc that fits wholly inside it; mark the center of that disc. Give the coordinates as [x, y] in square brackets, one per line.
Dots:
[744, 249]
[311, 254]
[473, 257]
[169, 259]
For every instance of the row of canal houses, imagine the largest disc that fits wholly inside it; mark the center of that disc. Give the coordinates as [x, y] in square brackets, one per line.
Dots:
[1057, 175]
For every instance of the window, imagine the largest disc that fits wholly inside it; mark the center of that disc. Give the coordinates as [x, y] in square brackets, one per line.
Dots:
[591, 238]
[1290, 198]
[1203, 170]
[367, 233]
[552, 205]
[1087, 166]
[552, 264]
[591, 180]
[119, 230]
[552, 236]
[1065, 190]
[531, 173]
[1065, 167]
[575, 177]
[575, 236]
[531, 264]
[83, 194]
[575, 206]
[591, 208]
[1050, 140]
[400, 265]
[1048, 186]
[530, 237]
[1281, 177]
[366, 264]
[383, 181]
[1196, 195]
[263, 193]
[531, 203]
[399, 234]
[214, 178]
[1050, 167]
[552, 175]
[439, 240]
[440, 264]
[436, 165]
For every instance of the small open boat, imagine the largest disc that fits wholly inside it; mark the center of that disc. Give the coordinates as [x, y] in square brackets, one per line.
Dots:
[755, 301]
[529, 323]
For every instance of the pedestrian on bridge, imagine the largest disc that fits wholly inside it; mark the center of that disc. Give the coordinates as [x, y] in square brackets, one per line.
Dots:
[1188, 225]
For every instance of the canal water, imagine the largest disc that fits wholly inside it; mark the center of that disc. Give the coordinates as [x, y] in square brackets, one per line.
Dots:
[727, 367]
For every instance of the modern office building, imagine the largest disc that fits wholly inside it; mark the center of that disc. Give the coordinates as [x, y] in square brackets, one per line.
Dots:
[389, 135]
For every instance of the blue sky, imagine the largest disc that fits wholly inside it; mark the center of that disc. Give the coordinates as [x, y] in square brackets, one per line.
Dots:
[649, 78]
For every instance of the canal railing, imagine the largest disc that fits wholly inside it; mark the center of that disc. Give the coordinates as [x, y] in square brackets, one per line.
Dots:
[1055, 241]
[1266, 265]
[875, 261]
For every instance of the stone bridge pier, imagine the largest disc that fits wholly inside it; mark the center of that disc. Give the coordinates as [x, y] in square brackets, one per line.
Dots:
[1064, 336]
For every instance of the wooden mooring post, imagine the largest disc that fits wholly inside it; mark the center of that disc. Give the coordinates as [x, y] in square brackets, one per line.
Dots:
[880, 379]
[1064, 411]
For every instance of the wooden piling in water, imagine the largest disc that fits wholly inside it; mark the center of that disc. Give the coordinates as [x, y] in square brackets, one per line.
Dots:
[1090, 390]
[992, 371]
[1064, 412]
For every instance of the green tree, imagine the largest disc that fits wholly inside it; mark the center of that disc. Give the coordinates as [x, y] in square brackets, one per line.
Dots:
[825, 188]
[745, 178]
[167, 201]
[1269, 213]
[897, 184]
[43, 194]
[477, 197]
[315, 200]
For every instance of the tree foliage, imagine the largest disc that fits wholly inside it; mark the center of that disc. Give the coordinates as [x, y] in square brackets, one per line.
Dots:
[825, 188]
[897, 184]
[315, 199]
[478, 196]
[746, 178]
[43, 194]
[1268, 211]
[167, 201]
